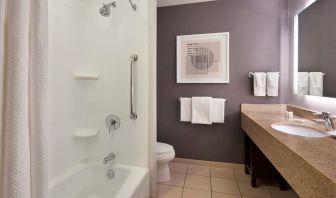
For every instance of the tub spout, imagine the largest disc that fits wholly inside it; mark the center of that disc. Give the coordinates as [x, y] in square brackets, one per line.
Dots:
[108, 158]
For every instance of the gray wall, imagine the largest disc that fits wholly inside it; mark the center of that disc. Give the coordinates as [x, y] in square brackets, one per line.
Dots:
[256, 44]
[311, 102]
[317, 42]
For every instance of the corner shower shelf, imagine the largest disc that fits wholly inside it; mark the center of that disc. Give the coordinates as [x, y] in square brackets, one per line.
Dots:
[86, 133]
[86, 76]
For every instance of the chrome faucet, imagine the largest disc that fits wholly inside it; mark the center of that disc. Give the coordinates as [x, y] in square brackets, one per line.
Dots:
[328, 120]
[108, 158]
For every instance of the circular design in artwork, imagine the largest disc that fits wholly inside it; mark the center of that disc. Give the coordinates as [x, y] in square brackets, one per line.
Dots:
[202, 59]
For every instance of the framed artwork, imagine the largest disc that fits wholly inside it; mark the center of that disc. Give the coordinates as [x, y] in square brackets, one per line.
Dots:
[203, 58]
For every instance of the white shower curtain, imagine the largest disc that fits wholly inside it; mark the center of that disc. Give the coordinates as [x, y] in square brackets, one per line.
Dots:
[24, 127]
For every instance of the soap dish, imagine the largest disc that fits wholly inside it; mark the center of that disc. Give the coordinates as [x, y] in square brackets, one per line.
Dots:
[86, 133]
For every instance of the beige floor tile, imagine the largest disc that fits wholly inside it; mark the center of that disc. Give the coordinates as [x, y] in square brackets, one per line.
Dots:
[194, 193]
[199, 170]
[225, 186]
[197, 182]
[240, 175]
[224, 195]
[178, 167]
[247, 190]
[165, 191]
[177, 179]
[277, 193]
[224, 173]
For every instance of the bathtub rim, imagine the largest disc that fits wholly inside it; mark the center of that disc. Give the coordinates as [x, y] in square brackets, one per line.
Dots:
[135, 178]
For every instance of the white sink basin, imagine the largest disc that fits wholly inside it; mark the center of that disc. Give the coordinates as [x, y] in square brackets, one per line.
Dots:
[298, 130]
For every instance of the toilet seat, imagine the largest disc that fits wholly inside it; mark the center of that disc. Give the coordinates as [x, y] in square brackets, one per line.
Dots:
[163, 149]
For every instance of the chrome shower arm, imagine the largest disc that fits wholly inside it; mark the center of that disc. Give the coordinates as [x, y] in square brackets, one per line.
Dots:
[134, 6]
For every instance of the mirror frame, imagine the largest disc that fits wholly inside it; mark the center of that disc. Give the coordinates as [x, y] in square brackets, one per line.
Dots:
[296, 46]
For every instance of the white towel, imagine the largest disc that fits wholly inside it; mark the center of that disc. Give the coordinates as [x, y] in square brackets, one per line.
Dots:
[259, 84]
[273, 83]
[218, 110]
[316, 83]
[201, 110]
[185, 109]
[303, 83]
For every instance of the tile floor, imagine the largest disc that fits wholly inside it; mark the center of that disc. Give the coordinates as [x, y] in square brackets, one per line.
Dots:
[193, 181]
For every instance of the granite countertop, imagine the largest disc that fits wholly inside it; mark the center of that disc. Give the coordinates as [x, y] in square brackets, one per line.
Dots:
[318, 154]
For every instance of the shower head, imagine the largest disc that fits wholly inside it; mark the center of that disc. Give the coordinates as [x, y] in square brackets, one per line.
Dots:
[106, 9]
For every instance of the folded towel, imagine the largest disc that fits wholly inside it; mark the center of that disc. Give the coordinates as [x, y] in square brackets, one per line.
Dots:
[201, 108]
[185, 109]
[218, 110]
[259, 82]
[273, 83]
[303, 83]
[316, 83]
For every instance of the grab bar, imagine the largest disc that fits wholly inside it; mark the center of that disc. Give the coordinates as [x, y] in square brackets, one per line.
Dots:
[133, 116]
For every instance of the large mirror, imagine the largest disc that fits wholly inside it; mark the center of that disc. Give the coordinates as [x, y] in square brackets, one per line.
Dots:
[316, 49]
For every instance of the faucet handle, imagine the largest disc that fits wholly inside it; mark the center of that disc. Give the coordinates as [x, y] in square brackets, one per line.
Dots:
[327, 115]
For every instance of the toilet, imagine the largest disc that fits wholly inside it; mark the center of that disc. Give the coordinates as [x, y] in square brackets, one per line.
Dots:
[164, 154]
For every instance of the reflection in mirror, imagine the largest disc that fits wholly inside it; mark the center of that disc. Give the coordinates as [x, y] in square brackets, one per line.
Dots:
[317, 49]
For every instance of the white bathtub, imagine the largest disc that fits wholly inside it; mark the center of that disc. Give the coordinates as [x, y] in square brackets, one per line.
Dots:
[88, 180]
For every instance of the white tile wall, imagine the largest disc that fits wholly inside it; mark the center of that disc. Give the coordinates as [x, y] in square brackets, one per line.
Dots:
[82, 40]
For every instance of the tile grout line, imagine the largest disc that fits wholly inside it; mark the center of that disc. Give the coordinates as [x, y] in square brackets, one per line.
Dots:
[234, 174]
[210, 182]
[185, 179]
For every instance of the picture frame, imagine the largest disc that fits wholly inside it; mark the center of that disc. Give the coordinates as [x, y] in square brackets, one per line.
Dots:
[203, 58]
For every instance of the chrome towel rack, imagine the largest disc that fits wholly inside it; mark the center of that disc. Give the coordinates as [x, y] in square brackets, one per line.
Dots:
[250, 74]
[179, 99]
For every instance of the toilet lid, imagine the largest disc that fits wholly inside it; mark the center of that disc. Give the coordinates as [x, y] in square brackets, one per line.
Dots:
[163, 148]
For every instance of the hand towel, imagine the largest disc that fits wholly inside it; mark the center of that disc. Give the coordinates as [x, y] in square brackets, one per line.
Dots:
[259, 82]
[201, 110]
[218, 110]
[273, 83]
[185, 109]
[303, 83]
[316, 83]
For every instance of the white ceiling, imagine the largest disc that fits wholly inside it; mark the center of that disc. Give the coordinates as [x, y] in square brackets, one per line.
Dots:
[163, 3]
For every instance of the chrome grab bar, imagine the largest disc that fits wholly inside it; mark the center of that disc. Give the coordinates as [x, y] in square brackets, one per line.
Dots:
[133, 116]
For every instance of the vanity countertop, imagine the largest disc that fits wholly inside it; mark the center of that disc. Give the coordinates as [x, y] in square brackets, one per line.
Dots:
[308, 164]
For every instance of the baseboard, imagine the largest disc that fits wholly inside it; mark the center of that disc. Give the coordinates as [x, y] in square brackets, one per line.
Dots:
[208, 163]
